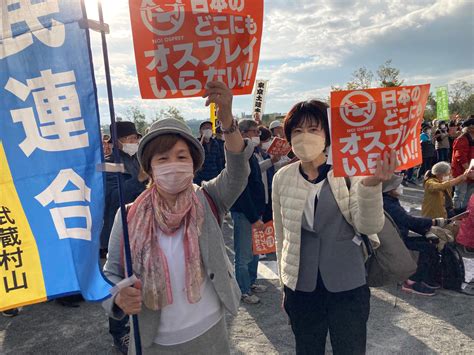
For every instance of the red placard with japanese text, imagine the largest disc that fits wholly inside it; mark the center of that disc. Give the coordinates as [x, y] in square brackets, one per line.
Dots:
[263, 242]
[365, 123]
[279, 146]
[180, 45]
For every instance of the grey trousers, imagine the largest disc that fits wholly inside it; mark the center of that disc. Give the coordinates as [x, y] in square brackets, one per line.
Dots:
[213, 342]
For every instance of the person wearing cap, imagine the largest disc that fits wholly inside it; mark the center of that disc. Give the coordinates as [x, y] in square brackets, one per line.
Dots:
[247, 214]
[463, 154]
[277, 129]
[422, 282]
[185, 279]
[214, 160]
[132, 187]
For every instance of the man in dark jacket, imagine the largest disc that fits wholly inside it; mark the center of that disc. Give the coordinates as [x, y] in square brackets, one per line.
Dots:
[247, 213]
[422, 282]
[428, 151]
[214, 161]
[127, 145]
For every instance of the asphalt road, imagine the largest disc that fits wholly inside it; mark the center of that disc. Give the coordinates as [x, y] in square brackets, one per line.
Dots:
[399, 323]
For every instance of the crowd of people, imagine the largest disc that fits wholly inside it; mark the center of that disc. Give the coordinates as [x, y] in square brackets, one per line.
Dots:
[178, 189]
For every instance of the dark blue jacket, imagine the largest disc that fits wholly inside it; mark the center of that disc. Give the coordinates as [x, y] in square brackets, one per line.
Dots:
[404, 221]
[252, 201]
[131, 189]
[214, 162]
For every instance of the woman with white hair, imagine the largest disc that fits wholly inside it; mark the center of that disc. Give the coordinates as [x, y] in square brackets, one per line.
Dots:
[438, 190]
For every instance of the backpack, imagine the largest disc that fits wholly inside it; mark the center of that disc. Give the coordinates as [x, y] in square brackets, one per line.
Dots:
[452, 267]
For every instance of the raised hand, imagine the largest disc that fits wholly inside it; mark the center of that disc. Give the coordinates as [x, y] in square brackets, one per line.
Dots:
[384, 169]
[218, 93]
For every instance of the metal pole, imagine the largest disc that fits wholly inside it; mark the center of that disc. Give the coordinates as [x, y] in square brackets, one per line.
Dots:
[128, 256]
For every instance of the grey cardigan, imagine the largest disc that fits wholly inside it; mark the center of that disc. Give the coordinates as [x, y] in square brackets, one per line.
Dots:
[224, 190]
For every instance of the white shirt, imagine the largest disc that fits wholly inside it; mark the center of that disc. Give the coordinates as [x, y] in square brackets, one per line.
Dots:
[309, 206]
[181, 321]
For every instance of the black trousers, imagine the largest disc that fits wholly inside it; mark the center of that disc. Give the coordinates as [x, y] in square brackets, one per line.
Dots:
[343, 314]
[425, 166]
[428, 260]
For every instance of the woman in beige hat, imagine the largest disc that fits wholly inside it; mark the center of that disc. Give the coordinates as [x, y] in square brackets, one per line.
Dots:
[186, 280]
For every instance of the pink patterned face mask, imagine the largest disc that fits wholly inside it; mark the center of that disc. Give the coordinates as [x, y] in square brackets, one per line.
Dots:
[173, 177]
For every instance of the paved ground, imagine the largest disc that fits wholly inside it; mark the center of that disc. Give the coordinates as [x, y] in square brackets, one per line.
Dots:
[399, 323]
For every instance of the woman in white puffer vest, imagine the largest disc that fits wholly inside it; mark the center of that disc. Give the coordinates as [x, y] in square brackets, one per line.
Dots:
[320, 258]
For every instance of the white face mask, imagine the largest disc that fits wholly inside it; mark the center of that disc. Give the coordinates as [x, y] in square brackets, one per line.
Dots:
[207, 133]
[130, 148]
[446, 178]
[255, 140]
[308, 146]
[266, 145]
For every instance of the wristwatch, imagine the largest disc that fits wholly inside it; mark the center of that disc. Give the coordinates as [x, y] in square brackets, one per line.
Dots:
[231, 129]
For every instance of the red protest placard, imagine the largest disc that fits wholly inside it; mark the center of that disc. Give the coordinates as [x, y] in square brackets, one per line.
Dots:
[180, 45]
[279, 146]
[365, 123]
[263, 242]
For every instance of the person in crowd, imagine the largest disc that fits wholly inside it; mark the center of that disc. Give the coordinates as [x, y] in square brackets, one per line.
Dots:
[215, 161]
[106, 145]
[441, 138]
[246, 214]
[428, 151]
[316, 215]
[454, 131]
[132, 187]
[220, 138]
[177, 247]
[408, 177]
[465, 235]
[267, 166]
[463, 154]
[277, 129]
[438, 186]
[422, 282]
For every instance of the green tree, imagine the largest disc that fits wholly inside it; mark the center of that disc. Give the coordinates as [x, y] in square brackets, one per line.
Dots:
[430, 110]
[137, 116]
[170, 112]
[461, 97]
[361, 79]
[388, 76]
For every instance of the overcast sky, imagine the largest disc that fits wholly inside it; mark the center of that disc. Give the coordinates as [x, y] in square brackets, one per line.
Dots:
[309, 45]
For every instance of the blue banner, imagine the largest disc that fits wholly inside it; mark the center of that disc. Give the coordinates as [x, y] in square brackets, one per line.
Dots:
[51, 196]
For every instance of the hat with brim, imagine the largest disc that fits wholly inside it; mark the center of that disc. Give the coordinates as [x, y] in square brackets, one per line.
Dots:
[468, 122]
[170, 126]
[203, 123]
[275, 124]
[392, 183]
[124, 129]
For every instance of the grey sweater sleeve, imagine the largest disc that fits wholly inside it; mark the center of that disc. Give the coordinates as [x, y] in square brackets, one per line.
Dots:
[229, 184]
[113, 268]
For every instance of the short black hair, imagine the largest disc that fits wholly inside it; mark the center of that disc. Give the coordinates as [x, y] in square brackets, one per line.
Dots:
[265, 133]
[311, 110]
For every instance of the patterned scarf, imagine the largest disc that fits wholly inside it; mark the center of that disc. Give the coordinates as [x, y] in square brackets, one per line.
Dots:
[149, 213]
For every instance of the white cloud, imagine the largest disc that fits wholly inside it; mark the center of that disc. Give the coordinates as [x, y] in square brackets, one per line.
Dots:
[302, 39]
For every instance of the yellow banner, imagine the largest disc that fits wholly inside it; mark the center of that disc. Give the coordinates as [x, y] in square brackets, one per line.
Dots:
[21, 275]
[213, 115]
